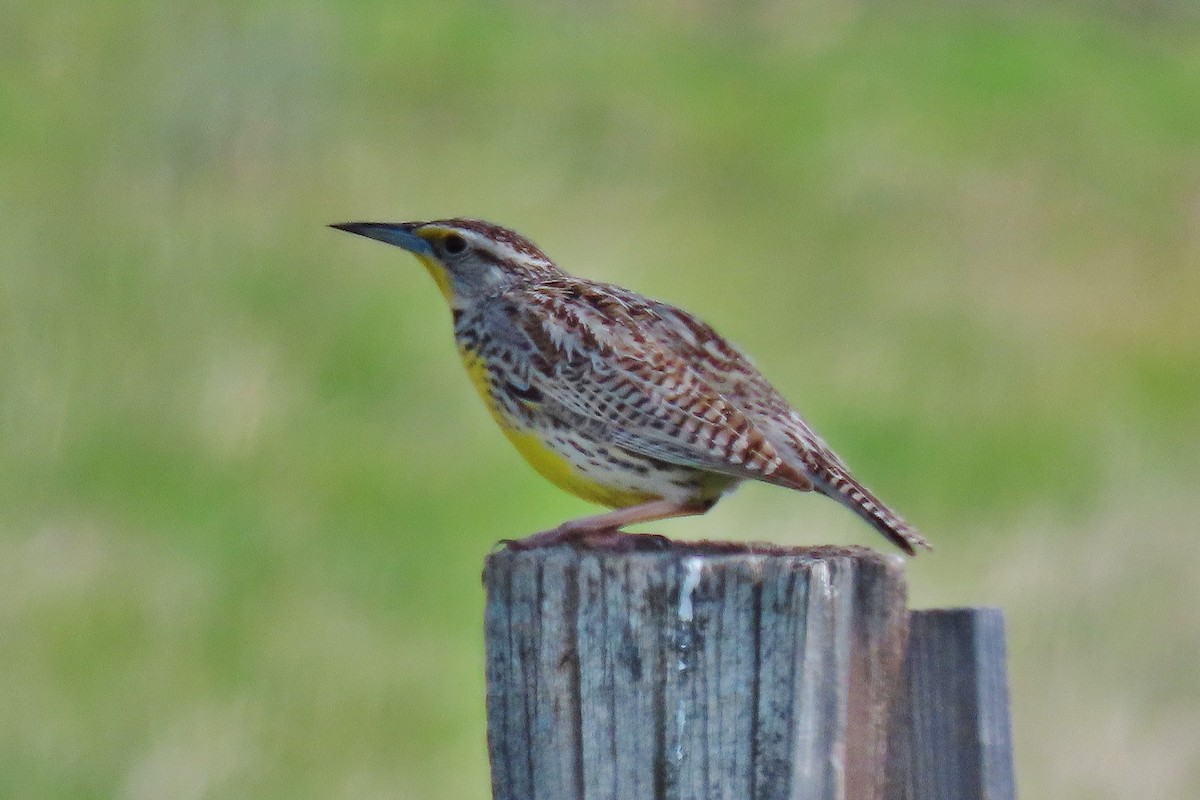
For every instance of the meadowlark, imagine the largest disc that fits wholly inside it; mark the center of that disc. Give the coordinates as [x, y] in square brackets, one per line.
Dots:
[619, 399]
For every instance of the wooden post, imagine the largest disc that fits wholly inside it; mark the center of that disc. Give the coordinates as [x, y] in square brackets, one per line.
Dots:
[699, 671]
[950, 736]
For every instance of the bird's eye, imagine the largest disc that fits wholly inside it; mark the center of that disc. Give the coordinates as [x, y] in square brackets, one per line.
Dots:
[454, 244]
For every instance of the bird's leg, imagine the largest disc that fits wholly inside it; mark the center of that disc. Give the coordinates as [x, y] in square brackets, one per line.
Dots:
[607, 526]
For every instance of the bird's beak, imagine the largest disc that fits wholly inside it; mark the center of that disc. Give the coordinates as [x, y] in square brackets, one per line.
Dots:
[397, 233]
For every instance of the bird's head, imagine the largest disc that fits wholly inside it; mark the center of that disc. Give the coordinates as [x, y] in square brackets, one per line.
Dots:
[468, 258]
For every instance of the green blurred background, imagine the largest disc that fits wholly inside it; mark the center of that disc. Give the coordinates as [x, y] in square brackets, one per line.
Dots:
[247, 490]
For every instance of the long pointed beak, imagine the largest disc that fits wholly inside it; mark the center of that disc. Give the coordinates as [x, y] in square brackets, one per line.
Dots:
[399, 234]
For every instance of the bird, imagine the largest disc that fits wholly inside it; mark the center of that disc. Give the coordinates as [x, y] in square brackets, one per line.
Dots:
[622, 400]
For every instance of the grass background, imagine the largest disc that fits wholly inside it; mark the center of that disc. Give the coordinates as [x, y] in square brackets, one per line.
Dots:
[246, 489]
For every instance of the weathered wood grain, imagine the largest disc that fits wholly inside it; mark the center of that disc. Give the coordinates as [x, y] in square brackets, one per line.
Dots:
[696, 672]
[951, 736]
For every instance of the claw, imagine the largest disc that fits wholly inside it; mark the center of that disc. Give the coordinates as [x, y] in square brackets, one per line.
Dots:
[611, 539]
[560, 535]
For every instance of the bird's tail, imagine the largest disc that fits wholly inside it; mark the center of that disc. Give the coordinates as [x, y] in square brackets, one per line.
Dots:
[837, 484]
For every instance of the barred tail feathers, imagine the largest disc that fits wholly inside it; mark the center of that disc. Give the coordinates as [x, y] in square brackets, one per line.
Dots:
[840, 486]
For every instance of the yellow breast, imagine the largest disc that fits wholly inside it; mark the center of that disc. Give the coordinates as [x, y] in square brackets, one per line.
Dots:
[549, 463]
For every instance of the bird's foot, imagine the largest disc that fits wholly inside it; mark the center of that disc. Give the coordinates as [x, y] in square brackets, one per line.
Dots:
[591, 539]
[615, 541]
[560, 535]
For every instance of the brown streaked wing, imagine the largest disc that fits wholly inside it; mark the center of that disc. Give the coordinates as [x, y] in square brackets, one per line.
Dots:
[607, 362]
[734, 375]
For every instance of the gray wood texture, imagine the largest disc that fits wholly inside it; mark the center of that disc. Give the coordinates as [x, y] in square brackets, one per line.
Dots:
[695, 672]
[951, 738]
